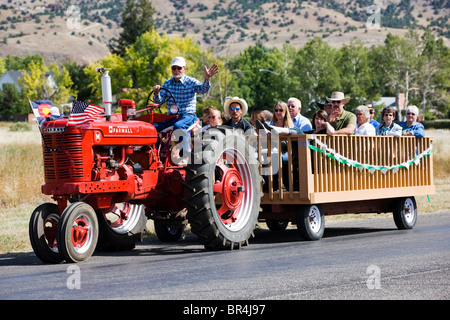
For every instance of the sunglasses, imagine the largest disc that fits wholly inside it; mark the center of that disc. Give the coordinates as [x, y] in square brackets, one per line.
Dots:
[336, 102]
[291, 106]
[278, 110]
[177, 68]
[235, 108]
[410, 114]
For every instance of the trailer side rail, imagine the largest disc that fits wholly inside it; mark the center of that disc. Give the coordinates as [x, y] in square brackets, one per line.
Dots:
[332, 169]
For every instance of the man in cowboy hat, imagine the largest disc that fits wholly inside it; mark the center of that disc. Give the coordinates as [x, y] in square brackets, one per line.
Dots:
[235, 109]
[343, 122]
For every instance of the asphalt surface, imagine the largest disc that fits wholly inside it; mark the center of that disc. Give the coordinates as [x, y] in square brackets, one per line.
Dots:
[356, 259]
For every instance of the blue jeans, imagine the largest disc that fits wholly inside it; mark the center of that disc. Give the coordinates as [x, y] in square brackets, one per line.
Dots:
[183, 122]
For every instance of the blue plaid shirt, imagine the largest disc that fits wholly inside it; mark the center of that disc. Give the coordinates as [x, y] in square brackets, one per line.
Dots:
[184, 91]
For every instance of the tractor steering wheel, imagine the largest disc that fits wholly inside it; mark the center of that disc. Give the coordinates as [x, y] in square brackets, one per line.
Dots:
[150, 100]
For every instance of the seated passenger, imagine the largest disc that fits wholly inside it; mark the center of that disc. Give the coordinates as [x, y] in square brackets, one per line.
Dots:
[343, 122]
[299, 121]
[388, 127]
[234, 110]
[281, 116]
[363, 126]
[320, 123]
[411, 127]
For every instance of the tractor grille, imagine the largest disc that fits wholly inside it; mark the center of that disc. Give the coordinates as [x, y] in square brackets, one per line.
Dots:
[67, 163]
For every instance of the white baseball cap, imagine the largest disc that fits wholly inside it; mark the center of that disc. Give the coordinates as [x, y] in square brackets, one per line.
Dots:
[178, 61]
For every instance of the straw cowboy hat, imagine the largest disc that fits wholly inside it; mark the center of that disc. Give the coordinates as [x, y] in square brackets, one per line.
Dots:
[336, 96]
[241, 102]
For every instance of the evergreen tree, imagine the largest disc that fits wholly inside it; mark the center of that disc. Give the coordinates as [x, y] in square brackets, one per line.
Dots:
[137, 18]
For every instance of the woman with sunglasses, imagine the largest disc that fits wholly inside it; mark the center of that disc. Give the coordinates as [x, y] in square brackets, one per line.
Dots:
[281, 117]
[388, 127]
[411, 127]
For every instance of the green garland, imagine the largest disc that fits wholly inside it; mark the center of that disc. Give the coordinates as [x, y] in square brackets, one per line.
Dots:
[330, 153]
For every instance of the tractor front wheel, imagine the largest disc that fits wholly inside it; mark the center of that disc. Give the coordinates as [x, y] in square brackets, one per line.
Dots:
[43, 228]
[77, 232]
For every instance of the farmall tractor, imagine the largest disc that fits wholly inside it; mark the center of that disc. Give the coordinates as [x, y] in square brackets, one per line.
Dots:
[110, 175]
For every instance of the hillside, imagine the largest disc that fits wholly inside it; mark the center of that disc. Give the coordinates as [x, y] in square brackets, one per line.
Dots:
[80, 30]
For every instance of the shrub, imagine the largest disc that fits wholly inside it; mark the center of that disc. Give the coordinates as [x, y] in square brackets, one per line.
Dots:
[20, 126]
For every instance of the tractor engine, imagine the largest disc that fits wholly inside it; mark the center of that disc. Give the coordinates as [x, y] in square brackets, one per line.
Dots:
[100, 162]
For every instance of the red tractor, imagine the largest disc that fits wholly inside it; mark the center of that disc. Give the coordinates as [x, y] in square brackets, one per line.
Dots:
[110, 175]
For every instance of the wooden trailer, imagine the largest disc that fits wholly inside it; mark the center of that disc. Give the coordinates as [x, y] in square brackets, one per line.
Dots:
[326, 175]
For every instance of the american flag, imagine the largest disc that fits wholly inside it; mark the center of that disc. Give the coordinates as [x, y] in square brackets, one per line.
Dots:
[83, 112]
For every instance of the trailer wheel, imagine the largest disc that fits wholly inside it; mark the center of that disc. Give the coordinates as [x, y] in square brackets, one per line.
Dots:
[43, 228]
[121, 227]
[310, 221]
[168, 232]
[77, 232]
[405, 213]
[223, 192]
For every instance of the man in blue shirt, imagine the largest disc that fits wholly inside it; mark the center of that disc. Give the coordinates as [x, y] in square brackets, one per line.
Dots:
[300, 122]
[184, 89]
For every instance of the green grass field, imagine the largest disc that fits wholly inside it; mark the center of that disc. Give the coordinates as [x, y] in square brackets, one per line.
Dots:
[21, 177]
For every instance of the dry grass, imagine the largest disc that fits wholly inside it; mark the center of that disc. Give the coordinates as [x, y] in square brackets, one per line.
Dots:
[21, 177]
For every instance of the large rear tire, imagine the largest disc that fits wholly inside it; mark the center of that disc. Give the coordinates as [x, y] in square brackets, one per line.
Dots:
[223, 190]
[121, 227]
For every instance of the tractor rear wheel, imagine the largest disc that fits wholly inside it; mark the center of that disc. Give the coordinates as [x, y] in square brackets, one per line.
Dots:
[43, 228]
[77, 232]
[121, 227]
[223, 190]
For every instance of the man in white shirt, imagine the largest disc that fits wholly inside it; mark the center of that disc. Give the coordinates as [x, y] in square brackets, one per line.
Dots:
[301, 122]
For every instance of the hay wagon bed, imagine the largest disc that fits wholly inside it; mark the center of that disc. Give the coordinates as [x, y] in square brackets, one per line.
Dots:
[327, 175]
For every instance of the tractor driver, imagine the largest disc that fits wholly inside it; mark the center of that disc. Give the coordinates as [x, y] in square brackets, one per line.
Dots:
[184, 89]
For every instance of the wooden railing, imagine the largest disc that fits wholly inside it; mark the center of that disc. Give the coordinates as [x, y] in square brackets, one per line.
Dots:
[324, 169]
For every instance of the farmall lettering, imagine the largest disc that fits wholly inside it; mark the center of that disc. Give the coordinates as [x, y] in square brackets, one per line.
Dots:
[120, 129]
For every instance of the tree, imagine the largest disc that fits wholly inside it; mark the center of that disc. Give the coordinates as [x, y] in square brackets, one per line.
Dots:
[316, 70]
[433, 78]
[148, 61]
[120, 77]
[356, 73]
[137, 18]
[36, 86]
[11, 101]
[257, 77]
[399, 63]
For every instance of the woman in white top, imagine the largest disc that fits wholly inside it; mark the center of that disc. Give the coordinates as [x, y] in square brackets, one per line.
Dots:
[363, 126]
[387, 127]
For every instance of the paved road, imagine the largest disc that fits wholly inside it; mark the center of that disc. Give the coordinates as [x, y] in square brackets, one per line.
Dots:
[356, 259]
